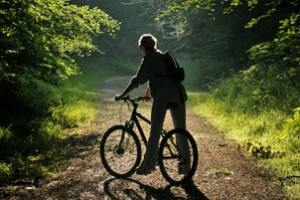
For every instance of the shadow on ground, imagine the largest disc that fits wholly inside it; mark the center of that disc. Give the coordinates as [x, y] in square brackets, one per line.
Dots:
[73, 146]
[128, 188]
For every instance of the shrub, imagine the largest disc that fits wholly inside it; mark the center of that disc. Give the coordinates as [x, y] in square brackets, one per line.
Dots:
[5, 171]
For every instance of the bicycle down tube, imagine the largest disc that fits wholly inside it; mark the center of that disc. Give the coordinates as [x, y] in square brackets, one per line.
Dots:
[134, 118]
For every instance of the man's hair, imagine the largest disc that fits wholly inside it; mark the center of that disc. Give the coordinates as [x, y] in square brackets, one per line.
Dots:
[148, 41]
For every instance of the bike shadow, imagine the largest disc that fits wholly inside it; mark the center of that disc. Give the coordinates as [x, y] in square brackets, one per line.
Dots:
[129, 188]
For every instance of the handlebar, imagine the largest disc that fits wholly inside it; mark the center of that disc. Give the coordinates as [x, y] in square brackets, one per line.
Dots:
[132, 100]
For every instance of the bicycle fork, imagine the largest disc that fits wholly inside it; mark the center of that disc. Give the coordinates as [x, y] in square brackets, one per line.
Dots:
[124, 140]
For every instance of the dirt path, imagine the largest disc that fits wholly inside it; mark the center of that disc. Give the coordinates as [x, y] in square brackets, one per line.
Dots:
[223, 171]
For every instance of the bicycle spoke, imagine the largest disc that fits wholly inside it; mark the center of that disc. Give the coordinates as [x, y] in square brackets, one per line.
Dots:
[122, 156]
[120, 152]
[178, 156]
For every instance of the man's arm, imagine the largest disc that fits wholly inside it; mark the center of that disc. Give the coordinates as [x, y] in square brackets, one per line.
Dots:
[141, 77]
[128, 89]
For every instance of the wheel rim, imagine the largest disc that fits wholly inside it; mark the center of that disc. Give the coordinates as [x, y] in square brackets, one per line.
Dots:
[120, 158]
[177, 165]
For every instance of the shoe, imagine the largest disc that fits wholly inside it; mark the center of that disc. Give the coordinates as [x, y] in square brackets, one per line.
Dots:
[140, 171]
[143, 172]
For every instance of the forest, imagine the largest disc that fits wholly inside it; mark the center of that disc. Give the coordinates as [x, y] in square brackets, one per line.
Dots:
[241, 57]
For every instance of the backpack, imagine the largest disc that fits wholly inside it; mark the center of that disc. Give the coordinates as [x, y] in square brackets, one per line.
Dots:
[174, 71]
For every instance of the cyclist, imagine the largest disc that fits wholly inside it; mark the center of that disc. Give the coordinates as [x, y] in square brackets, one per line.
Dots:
[166, 94]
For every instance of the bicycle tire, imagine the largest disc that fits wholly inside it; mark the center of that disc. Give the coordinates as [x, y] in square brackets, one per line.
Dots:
[111, 164]
[164, 159]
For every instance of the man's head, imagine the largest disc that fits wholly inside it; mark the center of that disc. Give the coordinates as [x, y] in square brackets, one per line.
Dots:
[147, 42]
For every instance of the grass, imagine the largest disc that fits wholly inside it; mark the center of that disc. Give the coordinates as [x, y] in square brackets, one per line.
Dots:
[54, 110]
[224, 171]
[80, 104]
[82, 92]
[256, 110]
[272, 136]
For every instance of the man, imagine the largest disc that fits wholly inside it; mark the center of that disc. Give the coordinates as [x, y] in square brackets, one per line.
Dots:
[166, 94]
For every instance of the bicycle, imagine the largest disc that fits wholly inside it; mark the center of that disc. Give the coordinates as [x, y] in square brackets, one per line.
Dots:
[120, 149]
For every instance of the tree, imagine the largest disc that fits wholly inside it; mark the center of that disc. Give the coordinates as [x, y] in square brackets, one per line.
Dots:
[39, 40]
[39, 37]
[269, 29]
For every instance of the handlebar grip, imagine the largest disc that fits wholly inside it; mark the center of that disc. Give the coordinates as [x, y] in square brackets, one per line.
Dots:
[139, 98]
[123, 98]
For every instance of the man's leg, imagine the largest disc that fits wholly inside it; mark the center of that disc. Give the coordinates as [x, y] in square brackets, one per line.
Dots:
[157, 119]
[179, 120]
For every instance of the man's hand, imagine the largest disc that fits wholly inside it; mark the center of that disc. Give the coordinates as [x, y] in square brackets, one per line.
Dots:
[119, 97]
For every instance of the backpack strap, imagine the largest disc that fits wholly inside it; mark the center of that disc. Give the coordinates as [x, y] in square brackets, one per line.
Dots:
[174, 60]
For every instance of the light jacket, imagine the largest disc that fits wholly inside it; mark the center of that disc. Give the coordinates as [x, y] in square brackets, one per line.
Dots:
[153, 69]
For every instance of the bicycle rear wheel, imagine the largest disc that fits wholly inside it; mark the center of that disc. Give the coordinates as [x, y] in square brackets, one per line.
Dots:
[120, 151]
[178, 156]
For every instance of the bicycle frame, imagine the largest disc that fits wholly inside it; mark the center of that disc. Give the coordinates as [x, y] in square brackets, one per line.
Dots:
[134, 119]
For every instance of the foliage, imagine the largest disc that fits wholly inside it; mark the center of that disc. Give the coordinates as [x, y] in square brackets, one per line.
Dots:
[39, 37]
[137, 18]
[39, 41]
[292, 127]
[4, 171]
[277, 66]
[259, 151]
[272, 29]
[268, 133]
[74, 104]
[202, 32]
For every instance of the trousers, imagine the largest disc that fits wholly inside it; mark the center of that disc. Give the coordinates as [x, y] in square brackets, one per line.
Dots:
[178, 113]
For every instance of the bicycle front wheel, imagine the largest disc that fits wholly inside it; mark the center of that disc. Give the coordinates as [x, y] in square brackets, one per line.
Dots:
[120, 151]
[178, 156]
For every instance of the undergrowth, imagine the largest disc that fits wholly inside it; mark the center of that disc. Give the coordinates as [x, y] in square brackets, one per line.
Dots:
[45, 112]
[267, 125]
[271, 136]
